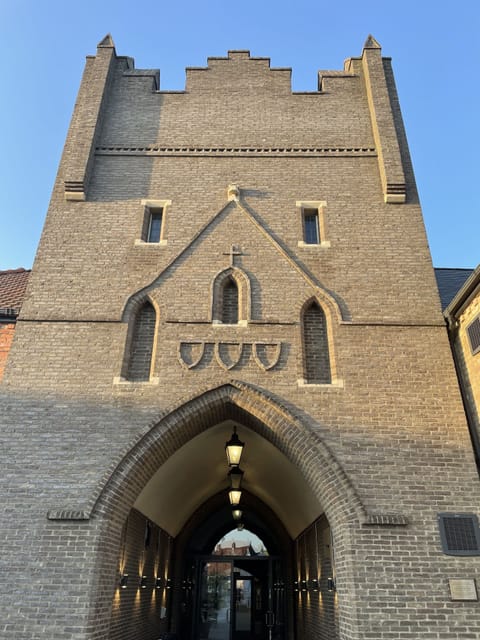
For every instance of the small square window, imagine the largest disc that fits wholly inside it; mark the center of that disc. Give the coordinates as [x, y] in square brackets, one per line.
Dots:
[473, 331]
[155, 225]
[311, 233]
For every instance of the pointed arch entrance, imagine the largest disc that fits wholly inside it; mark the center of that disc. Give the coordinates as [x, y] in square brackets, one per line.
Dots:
[266, 420]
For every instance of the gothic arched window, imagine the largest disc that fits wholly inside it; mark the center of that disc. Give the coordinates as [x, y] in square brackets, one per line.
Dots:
[230, 297]
[140, 349]
[315, 345]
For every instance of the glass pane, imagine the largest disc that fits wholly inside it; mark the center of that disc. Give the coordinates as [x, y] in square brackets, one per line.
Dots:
[214, 612]
[311, 227]
[240, 543]
[243, 604]
[155, 227]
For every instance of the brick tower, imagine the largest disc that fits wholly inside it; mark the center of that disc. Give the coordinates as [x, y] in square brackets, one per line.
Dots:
[235, 258]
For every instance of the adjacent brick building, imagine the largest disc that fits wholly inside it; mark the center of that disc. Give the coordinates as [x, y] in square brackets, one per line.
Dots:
[13, 283]
[460, 294]
[235, 256]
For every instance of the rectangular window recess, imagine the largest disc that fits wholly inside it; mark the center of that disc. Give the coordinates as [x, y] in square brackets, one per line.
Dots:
[155, 225]
[310, 226]
[459, 533]
[473, 331]
[312, 220]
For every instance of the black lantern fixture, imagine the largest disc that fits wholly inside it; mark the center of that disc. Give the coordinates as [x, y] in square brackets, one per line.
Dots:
[235, 475]
[124, 580]
[234, 448]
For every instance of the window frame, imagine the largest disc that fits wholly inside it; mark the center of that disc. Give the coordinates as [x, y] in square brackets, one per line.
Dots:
[151, 208]
[307, 207]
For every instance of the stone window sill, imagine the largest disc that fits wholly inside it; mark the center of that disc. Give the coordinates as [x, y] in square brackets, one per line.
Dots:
[335, 384]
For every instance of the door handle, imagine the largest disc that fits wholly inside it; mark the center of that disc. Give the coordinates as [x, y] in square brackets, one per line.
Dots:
[270, 619]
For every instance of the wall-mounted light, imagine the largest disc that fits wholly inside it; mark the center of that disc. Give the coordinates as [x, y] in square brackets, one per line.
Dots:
[234, 496]
[234, 448]
[168, 584]
[295, 585]
[142, 583]
[158, 583]
[313, 585]
[304, 585]
[123, 581]
[331, 586]
[235, 476]
[237, 514]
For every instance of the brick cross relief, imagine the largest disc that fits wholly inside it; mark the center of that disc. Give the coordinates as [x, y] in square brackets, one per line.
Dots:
[234, 251]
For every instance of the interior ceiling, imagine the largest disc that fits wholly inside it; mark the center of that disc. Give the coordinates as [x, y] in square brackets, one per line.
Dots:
[198, 470]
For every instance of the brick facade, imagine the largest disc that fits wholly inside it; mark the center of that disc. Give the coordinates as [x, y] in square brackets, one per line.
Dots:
[375, 453]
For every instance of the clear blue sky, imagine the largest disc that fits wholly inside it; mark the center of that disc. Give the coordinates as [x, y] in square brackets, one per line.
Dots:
[436, 59]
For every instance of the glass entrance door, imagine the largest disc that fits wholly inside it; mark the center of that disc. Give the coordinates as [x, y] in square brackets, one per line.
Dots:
[214, 606]
[237, 600]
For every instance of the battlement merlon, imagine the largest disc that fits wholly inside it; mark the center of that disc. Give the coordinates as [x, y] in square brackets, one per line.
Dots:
[241, 71]
[327, 78]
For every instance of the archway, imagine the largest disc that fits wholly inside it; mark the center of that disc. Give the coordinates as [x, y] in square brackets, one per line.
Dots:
[324, 483]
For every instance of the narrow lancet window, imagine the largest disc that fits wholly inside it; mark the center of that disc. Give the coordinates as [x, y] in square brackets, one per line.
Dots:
[230, 302]
[315, 344]
[141, 344]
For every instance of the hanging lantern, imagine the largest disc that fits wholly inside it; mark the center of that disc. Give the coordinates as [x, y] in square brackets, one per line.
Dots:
[237, 514]
[234, 448]
[235, 476]
[234, 495]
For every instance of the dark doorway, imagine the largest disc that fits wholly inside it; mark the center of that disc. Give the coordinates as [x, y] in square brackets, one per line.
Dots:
[236, 600]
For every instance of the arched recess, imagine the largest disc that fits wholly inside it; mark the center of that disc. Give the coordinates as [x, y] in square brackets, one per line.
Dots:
[139, 352]
[255, 410]
[318, 361]
[316, 352]
[231, 287]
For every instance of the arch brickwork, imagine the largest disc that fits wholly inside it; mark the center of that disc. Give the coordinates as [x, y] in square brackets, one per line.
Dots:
[254, 409]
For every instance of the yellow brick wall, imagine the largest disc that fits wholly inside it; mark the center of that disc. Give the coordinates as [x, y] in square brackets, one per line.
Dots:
[469, 363]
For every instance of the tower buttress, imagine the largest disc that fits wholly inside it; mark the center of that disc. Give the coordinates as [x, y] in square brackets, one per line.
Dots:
[383, 124]
[87, 119]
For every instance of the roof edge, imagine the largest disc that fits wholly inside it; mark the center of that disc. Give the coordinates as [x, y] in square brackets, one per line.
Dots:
[462, 297]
